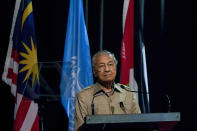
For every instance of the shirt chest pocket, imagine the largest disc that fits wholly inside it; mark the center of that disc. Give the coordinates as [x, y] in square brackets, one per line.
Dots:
[128, 107]
[101, 106]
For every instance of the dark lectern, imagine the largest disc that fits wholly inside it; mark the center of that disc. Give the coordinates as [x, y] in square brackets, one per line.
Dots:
[133, 122]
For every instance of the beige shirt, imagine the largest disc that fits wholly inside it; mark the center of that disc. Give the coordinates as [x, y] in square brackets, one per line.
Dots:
[104, 103]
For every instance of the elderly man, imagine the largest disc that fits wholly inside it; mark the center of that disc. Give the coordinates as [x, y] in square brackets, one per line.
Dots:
[105, 96]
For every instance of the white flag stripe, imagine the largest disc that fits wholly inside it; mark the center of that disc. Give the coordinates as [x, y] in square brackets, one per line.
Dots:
[133, 84]
[15, 69]
[125, 8]
[13, 89]
[30, 117]
[7, 64]
[18, 101]
[9, 53]
[17, 5]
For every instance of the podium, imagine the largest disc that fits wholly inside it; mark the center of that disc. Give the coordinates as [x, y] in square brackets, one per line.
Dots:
[132, 122]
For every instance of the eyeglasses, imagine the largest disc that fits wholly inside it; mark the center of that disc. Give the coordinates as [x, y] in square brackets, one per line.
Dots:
[103, 67]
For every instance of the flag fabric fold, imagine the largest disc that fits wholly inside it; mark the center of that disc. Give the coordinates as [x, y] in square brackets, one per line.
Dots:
[140, 55]
[76, 66]
[21, 69]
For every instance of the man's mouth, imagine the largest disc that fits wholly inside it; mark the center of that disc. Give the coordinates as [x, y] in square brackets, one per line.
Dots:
[107, 74]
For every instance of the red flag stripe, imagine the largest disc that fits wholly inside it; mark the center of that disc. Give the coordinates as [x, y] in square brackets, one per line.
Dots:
[30, 117]
[10, 70]
[127, 48]
[15, 55]
[35, 126]
[21, 112]
[12, 75]
[18, 100]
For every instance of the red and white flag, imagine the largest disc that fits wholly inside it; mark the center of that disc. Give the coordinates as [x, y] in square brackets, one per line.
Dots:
[22, 58]
[127, 47]
[127, 54]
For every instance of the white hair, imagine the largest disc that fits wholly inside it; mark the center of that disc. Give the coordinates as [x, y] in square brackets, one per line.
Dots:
[102, 52]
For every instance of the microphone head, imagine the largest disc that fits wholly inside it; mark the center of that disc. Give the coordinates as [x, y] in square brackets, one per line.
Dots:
[122, 106]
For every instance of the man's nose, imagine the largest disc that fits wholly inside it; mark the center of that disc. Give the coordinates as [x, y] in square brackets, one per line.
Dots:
[107, 68]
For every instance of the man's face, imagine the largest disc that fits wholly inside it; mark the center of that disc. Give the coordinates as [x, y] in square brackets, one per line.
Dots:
[105, 68]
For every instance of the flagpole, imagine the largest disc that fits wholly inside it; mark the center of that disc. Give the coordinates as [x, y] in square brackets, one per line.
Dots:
[162, 16]
[101, 25]
[141, 27]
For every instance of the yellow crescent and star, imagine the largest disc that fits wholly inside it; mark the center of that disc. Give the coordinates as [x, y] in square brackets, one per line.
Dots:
[30, 60]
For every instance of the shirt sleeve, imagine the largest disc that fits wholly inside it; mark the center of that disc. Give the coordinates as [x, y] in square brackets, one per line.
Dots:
[80, 111]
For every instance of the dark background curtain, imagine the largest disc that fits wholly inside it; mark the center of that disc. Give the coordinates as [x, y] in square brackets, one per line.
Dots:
[169, 52]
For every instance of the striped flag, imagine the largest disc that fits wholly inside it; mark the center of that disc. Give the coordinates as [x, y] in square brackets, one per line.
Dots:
[21, 68]
[76, 68]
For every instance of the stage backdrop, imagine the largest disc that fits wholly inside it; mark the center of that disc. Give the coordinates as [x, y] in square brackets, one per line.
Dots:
[168, 44]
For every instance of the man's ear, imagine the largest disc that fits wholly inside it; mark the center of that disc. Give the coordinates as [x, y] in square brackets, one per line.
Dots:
[94, 73]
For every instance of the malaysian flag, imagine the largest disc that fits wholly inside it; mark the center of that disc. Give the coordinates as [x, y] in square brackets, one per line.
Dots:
[21, 67]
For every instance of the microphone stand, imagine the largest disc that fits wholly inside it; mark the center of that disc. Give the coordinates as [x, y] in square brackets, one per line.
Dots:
[169, 103]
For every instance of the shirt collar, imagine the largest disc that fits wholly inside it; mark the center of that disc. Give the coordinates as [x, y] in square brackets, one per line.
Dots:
[98, 88]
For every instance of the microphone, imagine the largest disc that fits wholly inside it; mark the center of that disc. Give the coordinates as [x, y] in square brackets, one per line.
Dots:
[169, 103]
[122, 106]
[143, 96]
[140, 92]
[95, 95]
[92, 106]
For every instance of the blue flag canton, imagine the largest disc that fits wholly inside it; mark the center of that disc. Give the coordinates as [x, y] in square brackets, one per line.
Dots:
[24, 42]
